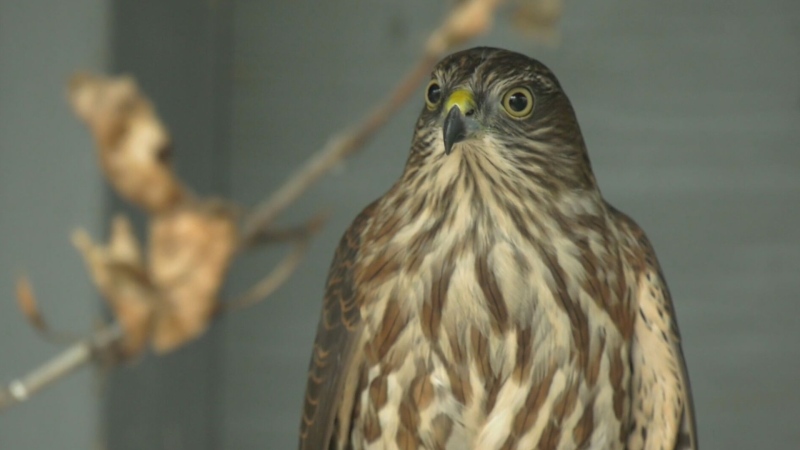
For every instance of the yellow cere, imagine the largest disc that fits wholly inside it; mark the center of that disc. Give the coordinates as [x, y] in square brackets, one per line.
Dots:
[461, 98]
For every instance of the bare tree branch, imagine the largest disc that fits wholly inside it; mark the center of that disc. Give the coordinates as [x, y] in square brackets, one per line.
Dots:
[289, 234]
[65, 363]
[185, 230]
[337, 148]
[269, 284]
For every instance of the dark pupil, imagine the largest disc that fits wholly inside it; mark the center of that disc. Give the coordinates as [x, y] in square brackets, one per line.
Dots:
[434, 93]
[518, 102]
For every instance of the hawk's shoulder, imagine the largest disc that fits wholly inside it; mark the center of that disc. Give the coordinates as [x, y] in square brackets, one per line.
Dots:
[330, 372]
[661, 397]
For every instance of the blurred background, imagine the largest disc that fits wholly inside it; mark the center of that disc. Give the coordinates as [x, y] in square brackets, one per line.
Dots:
[691, 111]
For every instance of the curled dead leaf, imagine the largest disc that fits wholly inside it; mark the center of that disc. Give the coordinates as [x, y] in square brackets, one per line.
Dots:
[133, 146]
[190, 250]
[27, 303]
[119, 275]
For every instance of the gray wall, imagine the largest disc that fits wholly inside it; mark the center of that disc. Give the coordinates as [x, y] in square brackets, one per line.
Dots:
[691, 112]
[48, 186]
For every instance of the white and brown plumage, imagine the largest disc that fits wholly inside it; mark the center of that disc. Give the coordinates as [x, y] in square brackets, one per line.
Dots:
[492, 299]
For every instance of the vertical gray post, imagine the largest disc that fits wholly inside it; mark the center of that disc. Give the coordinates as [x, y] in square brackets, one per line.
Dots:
[178, 52]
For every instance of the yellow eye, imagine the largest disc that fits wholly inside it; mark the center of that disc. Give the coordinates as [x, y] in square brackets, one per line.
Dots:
[518, 102]
[433, 94]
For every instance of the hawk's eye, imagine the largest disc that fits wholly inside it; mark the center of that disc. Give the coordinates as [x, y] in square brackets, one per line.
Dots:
[518, 102]
[433, 95]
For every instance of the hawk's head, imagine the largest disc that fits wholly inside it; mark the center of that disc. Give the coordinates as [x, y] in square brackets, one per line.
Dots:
[504, 107]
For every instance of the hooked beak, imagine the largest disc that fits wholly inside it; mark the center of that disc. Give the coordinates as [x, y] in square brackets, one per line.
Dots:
[456, 128]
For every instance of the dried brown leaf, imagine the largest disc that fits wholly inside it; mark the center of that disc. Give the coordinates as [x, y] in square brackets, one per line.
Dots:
[122, 281]
[123, 246]
[27, 303]
[190, 250]
[133, 146]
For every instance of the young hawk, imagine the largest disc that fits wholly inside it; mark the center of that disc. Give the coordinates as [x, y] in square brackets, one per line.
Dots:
[492, 299]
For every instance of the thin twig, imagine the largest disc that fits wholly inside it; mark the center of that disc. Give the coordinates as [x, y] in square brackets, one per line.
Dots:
[335, 150]
[60, 366]
[289, 234]
[269, 284]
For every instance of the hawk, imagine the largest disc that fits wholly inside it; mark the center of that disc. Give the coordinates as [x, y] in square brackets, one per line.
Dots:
[492, 299]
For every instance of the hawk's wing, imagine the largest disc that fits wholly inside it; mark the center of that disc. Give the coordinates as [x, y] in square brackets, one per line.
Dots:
[331, 378]
[662, 408]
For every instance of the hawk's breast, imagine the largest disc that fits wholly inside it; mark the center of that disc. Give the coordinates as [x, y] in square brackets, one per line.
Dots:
[481, 335]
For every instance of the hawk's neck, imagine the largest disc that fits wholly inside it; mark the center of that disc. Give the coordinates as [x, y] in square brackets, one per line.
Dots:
[473, 215]
[479, 195]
